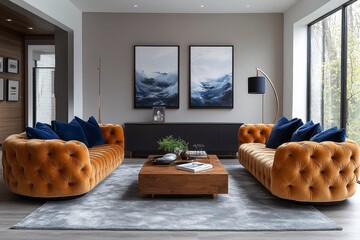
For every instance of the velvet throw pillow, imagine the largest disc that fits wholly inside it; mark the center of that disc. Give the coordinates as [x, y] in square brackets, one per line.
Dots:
[306, 131]
[332, 134]
[69, 131]
[41, 131]
[92, 131]
[282, 132]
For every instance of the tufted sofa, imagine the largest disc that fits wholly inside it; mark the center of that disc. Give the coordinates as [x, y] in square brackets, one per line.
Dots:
[57, 168]
[301, 171]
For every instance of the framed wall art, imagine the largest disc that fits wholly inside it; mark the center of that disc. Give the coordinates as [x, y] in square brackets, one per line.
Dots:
[12, 65]
[13, 90]
[211, 76]
[158, 114]
[1, 89]
[156, 76]
[1, 64]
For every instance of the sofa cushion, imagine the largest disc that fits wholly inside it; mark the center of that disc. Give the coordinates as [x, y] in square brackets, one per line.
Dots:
[332, 134]
[104, 159]
[69, 131]
[41, 131]
[258, 160]
[92, 131]
[306, 131]
[283, 131]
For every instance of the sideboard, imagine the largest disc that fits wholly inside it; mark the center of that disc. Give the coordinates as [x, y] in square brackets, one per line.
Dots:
[218, 138]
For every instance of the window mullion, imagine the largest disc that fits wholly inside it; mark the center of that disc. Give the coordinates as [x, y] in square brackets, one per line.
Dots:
[343, 117]
[308, 103]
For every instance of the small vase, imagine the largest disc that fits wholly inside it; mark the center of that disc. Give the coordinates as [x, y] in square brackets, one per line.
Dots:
[184, 155]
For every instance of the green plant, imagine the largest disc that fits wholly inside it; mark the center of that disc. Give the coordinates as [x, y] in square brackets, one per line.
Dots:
[171, 144]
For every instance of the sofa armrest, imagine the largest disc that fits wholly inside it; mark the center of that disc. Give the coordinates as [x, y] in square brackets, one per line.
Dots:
[113, 134]
[42, 168]
[316, 172]
[254, 133]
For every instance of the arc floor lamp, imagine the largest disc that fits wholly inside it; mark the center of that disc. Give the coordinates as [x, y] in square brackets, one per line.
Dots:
[256, 85]
[99, 80]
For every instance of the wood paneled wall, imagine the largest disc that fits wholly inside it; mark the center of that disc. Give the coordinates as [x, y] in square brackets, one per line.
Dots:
[12, 114]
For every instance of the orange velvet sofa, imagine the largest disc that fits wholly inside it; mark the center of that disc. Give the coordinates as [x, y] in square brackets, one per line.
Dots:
[57, 168]
[300, 171]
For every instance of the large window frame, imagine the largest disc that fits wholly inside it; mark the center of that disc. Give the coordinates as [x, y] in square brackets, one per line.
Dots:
[343, 80]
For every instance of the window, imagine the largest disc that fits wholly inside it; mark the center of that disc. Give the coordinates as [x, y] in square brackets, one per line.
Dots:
[334, 69]
[353, 72]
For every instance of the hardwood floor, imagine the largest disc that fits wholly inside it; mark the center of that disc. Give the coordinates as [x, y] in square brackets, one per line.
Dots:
[14, 208]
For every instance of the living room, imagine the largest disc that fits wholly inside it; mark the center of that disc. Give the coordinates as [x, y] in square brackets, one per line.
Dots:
[95, 47]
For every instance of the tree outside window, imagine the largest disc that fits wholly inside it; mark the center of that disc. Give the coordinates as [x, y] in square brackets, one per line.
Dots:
[335, 84]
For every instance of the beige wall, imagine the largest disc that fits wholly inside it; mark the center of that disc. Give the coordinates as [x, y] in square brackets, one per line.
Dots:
[257, 40]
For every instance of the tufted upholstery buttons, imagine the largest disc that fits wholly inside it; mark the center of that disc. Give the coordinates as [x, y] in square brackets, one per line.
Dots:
[328, 163]
[57, 168]
[301, 171]
[254, 133]
[112, 133]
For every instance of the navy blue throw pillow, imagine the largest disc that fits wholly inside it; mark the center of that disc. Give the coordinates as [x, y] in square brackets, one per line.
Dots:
[283, 131]
[92, 131]
[40, 125]
[306, 131]
[93, 121]
[41, 131]
[331, 134]
[69, 131]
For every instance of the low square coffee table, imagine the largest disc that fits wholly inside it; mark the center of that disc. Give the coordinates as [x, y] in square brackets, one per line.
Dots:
[165, 179]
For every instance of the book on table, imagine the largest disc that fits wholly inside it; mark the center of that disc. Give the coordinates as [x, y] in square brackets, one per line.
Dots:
[194, 166]
[197, 154]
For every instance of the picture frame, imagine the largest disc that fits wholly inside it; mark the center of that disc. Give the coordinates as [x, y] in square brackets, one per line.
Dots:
[158, 113]
[13, 90]
[1, 64]
[156, 76]
[12, 65]
[211, 76]
[1, 89]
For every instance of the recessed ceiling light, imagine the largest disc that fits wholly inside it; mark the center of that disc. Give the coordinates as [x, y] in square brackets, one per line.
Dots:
[30, 28]
[8, 19]
[248, 5]
[202, 6]
[135, 6]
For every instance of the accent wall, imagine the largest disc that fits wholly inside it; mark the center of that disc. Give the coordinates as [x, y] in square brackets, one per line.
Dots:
[12, 113]
[257, 40]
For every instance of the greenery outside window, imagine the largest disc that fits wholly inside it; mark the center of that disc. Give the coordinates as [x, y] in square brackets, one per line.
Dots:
[334, 69]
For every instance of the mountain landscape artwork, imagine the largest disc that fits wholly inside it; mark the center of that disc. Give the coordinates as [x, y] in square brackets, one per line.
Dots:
[156, 76]
[211, 77]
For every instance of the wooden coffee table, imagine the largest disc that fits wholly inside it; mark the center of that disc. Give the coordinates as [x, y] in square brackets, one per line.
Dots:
[164, 179]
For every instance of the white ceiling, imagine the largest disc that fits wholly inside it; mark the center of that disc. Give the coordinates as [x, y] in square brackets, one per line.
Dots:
[185, 6]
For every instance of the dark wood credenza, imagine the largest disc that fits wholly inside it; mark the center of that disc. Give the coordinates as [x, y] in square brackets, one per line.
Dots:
[218, 138]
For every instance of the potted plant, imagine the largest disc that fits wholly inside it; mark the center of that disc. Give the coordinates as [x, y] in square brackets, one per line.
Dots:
[173, 145]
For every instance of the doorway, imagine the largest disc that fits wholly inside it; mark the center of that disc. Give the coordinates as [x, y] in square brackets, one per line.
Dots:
[41, 90]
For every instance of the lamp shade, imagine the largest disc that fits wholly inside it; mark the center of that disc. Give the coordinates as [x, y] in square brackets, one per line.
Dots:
[256, 85]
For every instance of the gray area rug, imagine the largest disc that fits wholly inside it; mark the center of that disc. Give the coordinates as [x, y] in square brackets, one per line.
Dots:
[115, 205]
